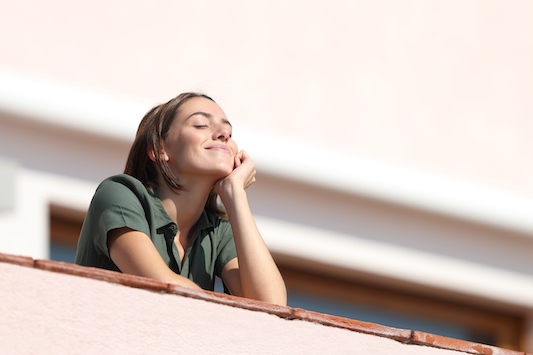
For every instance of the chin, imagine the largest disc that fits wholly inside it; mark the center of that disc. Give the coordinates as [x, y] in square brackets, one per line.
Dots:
[224, 170]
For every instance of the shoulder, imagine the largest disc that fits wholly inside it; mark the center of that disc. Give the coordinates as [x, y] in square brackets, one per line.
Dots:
[213, 219]
[119, 201]
[121, 189]
[127, 181]
[122, 183]
[220, 227]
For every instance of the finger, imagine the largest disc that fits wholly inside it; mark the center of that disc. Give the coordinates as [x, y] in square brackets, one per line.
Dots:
[238, 159]
[243, 155]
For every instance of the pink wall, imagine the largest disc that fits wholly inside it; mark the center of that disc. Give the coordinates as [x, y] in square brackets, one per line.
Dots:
[58, 312]
[440, 85]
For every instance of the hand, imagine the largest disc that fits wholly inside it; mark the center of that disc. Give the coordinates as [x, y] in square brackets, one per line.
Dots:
[242, 176]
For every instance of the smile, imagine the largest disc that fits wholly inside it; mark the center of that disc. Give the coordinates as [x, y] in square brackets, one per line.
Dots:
[219, 147]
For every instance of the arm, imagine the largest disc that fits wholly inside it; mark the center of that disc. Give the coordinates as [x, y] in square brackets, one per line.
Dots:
[134, 253]
[254, 274]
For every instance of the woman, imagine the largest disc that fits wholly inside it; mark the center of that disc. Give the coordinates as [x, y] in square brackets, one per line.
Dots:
[161, 218]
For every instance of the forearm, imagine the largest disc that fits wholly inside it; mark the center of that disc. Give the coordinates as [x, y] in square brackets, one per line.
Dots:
[176, 279]
[134, 253]
[259, 275]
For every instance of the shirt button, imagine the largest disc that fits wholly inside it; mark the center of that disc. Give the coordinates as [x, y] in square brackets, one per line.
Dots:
[173, 227]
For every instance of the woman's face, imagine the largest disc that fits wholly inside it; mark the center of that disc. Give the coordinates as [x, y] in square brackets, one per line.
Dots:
[199, 141]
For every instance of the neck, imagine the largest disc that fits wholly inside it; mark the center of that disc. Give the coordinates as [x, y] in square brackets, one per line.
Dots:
[186, 206]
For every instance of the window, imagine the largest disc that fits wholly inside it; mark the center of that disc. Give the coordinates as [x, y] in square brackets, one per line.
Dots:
[400, 308]
[65, 226]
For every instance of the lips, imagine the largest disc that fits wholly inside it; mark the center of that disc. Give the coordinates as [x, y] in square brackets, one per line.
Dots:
[219, 147]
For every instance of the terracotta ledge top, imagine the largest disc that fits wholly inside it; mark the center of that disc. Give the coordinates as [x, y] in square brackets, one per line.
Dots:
[405, 336]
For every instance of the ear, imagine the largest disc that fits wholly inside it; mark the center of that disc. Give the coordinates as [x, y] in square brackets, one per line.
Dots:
[151, 155]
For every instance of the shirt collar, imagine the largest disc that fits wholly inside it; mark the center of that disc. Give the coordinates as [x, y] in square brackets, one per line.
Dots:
[206, 220]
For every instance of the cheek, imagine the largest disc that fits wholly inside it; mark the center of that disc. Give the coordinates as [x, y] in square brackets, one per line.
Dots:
[234, 147]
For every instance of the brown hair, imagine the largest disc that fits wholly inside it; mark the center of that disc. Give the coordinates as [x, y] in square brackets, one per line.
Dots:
[152, 132]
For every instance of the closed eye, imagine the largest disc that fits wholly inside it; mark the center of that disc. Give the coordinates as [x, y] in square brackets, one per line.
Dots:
[201, 126]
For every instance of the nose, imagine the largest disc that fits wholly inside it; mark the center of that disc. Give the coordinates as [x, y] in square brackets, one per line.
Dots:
[221, 133]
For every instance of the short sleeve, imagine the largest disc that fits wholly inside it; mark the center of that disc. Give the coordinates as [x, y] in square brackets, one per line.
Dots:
[226, 250]
[116, 205]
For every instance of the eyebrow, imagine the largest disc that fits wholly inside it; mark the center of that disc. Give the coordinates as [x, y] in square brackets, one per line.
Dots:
[208, 115]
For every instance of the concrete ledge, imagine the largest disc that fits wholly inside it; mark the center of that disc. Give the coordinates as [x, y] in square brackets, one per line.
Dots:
[401, 335]
[102, 275]
[244, 303]
[421, 338]
[415, 338]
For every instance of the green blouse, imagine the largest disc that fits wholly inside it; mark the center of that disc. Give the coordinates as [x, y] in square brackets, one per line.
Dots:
[123, 201]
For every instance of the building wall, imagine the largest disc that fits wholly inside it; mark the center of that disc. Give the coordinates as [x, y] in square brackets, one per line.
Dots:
[48, 312]
[441, 86]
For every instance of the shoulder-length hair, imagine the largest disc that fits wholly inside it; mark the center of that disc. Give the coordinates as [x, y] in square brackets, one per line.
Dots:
[152, 132]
